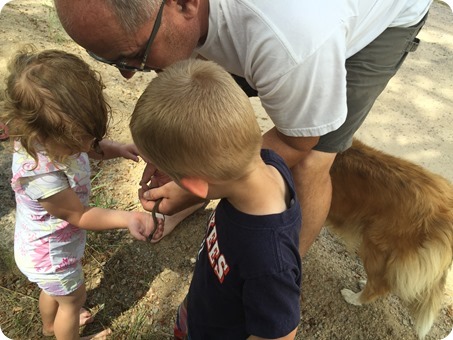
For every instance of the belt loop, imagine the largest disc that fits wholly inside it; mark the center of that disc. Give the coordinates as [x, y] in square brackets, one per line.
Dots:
[413, 45]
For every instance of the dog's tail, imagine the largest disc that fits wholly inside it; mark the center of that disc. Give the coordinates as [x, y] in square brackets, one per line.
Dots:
[420, 279]
[425, 309]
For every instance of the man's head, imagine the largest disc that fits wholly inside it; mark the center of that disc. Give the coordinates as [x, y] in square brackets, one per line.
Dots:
[193, 120]
[119, 30]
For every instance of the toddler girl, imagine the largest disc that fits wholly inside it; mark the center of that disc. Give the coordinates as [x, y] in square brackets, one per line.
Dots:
[57, 116]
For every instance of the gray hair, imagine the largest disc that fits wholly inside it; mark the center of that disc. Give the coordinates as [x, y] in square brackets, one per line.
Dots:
[132, 14]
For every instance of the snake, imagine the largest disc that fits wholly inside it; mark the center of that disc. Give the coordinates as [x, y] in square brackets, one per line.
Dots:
[153, 215]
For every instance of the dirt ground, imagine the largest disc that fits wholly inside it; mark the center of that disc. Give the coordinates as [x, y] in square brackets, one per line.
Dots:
[412, 119]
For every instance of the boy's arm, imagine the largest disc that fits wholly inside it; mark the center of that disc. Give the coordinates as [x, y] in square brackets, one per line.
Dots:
[290, 336]
[271, 302]
[113, 149]
[66, 205]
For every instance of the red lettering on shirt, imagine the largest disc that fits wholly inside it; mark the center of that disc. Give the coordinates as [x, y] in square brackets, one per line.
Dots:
[212, 220]
[212, 238]
[222, 268]
[216, 258]
[214, 254]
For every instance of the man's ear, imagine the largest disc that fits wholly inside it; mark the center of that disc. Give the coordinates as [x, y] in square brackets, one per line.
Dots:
[188, 7]
[196, 186]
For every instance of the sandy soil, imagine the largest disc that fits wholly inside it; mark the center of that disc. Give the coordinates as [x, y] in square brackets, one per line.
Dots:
[412, 119]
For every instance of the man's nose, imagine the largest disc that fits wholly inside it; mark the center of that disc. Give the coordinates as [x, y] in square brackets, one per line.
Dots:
[127, 74]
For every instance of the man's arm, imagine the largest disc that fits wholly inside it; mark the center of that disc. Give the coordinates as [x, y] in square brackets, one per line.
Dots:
[291, 149]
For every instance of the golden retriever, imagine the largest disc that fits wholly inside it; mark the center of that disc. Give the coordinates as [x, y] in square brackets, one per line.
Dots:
[399, 218]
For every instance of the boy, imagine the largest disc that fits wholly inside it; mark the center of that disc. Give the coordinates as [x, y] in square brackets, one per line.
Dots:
[246, 282]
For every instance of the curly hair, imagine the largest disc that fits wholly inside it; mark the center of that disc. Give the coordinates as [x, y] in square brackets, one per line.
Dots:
[53, 98]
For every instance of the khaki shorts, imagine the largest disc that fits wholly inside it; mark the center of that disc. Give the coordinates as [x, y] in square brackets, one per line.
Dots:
[368, 72]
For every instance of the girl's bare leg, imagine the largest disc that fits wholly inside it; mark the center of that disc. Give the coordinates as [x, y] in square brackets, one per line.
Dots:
[63, 315]
[67, 319]
[48, 307]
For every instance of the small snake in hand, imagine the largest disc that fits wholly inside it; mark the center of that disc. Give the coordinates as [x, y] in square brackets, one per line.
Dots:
[153, 215]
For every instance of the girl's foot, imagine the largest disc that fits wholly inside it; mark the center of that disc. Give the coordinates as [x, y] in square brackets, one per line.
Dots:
[170, 222]
[47, 333]
[99, 336]
[85, 317]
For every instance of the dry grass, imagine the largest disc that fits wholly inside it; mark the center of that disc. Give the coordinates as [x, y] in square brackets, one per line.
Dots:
[132, 288]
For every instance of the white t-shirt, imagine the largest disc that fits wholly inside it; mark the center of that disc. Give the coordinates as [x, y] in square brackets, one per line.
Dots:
[293, 52]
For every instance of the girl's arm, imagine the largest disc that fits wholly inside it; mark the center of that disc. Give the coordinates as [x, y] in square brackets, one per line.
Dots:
[66, 205]
[113, 149]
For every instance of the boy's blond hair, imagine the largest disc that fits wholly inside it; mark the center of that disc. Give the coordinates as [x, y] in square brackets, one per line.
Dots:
[53, 97]
[194, 120]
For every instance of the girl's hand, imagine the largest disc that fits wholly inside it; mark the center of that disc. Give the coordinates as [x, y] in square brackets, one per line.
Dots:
[113, 149]
[129, 151]
[141, 225]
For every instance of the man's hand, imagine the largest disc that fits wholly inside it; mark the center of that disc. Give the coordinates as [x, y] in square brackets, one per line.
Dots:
[153, 178]
[156, 184]
[175, 198]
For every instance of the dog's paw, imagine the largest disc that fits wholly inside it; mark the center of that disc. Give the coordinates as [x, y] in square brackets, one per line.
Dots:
[351, 297]
[361, 284]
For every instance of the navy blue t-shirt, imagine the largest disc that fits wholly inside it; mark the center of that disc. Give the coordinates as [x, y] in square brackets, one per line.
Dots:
[248, 272]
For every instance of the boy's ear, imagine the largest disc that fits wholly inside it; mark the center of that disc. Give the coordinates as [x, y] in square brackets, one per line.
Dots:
[196, 186]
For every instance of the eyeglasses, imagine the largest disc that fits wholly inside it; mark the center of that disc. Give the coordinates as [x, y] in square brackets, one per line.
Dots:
[121, 64]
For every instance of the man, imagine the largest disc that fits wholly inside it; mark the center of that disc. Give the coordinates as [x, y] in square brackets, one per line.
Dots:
[317, 66]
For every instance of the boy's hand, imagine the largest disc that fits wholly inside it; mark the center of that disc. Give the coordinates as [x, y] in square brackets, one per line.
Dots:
[141, 225]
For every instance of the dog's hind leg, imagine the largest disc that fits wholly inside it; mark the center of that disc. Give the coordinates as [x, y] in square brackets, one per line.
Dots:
[376, 285]
[367, 295]
[351, 297]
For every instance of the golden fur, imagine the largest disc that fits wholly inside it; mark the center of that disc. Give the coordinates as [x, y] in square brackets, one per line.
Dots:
[399, 218]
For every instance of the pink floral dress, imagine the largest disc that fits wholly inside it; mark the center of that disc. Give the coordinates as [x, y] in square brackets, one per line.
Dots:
[48, 250]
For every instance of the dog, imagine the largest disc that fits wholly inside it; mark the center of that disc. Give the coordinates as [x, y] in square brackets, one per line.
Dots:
[398, 217]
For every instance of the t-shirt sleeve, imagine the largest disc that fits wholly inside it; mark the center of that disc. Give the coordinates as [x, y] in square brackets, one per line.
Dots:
[272, 304]
[310, 99]
[45, 185]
